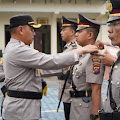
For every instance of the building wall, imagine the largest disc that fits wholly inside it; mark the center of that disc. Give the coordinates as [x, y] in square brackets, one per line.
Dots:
[53, 9]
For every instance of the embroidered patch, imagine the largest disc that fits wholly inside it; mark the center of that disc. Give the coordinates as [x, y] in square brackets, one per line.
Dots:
[74, 45]
[96, 60]
[96, 69]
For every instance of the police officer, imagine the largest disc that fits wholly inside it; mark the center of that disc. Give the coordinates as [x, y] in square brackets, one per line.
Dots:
[68, 31]
[21, 64]
[111, 108]
[88, 75]
[2, 78]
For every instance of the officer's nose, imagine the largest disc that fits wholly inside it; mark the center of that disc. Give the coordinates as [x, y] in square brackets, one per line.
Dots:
[110, 30]
[76, 34]
[61, 32]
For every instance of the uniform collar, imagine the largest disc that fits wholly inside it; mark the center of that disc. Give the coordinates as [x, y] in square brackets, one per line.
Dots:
[68, 44]
[15, 40]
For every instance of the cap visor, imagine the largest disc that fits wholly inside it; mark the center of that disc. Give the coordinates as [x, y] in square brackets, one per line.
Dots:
[64, 27]
[80, 28]
[36, 26]
[111, 19]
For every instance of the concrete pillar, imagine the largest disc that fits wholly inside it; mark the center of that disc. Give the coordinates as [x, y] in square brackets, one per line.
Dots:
[53, 34]
[103, 35]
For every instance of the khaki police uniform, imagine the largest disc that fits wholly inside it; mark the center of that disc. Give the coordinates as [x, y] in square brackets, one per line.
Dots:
[114, 11]
[89, 70]
[20, 64]
[115, 88]
[2, 78]
[66, 97]
[2, 75]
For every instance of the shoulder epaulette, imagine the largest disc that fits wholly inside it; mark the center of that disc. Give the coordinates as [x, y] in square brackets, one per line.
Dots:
[74, 45]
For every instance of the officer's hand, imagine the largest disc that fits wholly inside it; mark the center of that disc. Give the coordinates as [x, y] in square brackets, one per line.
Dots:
[100, 44]
[108, 59]
[89, 49]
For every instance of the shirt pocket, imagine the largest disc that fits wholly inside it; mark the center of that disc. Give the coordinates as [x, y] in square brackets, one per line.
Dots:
[116, 89]
[79, 76]
[81, 108]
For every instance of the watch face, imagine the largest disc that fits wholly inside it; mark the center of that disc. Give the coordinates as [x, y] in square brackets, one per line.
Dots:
[92, 117]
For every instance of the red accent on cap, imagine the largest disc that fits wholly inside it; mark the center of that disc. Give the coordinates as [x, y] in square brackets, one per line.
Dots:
[69, 23]
[82, 23]
[115, 11]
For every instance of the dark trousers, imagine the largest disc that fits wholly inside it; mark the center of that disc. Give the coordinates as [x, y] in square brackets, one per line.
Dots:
[67, 110]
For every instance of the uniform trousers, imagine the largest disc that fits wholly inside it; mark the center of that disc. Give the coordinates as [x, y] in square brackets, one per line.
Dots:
[67, 110]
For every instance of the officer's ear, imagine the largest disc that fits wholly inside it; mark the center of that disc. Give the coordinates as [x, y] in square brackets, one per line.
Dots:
[90, 35]
[20, 30]
[72, 32]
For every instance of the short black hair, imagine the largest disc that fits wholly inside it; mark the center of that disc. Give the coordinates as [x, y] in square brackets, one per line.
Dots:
[95, 32]
[74, 27]
[12, 30]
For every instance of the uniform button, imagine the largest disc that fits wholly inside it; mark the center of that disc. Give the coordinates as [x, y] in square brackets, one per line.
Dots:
[71, 100]
[115, 67]
[105, 98]
[79, 105]
[80, 63]
[76, 70]
[73, 73]
[118, 83]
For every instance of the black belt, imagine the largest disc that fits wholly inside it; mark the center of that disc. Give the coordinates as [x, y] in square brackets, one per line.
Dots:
[109, 116]
[24, 94]
[86, 93]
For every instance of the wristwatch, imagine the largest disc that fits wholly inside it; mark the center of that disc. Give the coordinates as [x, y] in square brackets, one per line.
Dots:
[93, 116]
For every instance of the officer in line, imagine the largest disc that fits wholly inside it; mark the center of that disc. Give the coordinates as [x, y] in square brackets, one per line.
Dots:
[111, 108]
[2, 78]
[68, 31]
[21, 64]
[87, 76]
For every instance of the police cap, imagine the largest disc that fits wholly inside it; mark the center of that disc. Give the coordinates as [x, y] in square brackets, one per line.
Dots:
[68, 22]
[84, 22]
[18, 20]
[114, 9]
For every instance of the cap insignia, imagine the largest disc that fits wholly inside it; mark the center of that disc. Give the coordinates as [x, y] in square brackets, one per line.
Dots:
[78, 20]
[31, 22]
[110, 6]
[62, 21]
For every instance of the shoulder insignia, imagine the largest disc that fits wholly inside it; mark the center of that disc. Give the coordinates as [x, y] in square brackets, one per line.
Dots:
[74, 45]
[96, 60]
[96, 65]
[1, 60]
[96, 69]
[110, 6]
